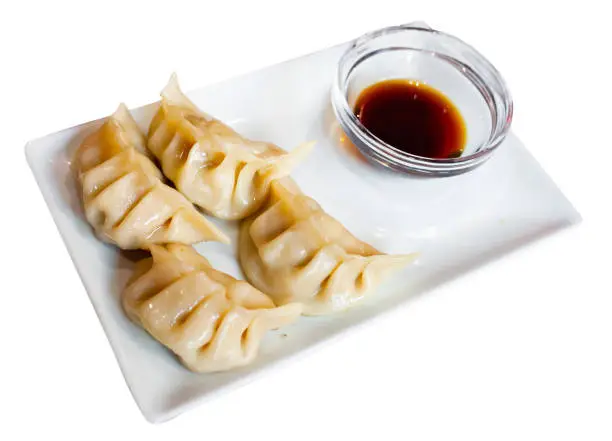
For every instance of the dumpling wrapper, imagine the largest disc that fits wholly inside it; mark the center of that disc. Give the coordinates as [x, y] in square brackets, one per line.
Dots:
[217, 169]
[295, 252]
[123, 195]
[210, 320]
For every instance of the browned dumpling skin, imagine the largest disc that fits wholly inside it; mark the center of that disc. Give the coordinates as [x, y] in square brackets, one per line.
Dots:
[124, 197]
[295, 252]
[210, 320]
[222, 172]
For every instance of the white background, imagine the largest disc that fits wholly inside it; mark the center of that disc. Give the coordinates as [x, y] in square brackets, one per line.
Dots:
[521, 349]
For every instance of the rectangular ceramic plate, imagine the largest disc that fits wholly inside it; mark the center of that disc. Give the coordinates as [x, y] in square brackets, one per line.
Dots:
[455, 223]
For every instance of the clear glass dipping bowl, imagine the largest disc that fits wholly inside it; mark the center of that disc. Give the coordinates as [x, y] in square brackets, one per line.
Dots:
[442, 61]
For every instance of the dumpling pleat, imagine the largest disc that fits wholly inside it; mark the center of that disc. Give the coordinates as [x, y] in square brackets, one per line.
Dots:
[202, 324]
[122, 195]
[159, 136]
[292, 247]
[313, 276]
[174, 156]
[227, 343]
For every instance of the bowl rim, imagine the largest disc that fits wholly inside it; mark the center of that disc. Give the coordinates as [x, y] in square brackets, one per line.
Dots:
[497, 135]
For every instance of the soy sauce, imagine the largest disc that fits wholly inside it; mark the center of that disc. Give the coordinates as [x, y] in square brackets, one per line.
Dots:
[412, 117]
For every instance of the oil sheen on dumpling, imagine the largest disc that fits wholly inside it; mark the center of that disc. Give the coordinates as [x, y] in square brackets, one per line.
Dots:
[124, 198]
[295, 252]
[210, 320]
[213, 166]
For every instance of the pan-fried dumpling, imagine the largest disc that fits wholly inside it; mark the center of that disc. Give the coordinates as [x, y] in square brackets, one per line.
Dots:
[124, 198]
[295, 252]
[213, 166]
[212, 321]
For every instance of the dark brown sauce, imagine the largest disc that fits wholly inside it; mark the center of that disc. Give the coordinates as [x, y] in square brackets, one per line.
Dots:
[412, 117]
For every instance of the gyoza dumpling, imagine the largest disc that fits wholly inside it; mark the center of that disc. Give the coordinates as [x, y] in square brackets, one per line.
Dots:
[213, 166]
[212, 321]
[295, 252]
[124, 198]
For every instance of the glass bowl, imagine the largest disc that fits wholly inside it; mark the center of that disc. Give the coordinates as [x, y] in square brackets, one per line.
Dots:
[440, 60]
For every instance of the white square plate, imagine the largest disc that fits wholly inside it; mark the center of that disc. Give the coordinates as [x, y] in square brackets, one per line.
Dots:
[455, 223]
